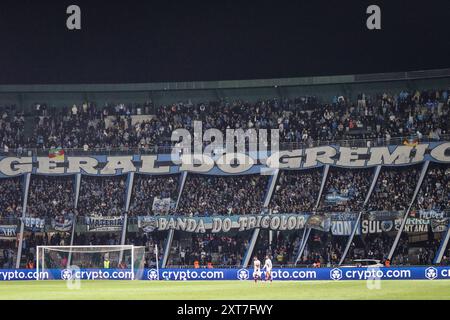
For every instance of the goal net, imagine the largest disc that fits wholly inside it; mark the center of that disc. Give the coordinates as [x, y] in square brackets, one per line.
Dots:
[91, 262]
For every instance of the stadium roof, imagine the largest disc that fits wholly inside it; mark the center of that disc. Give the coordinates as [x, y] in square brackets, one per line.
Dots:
[230, 84]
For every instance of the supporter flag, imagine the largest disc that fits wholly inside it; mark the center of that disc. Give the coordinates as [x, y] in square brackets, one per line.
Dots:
[439, 225]
[161, 205]
[335, 198]
[319, 222]
[56, 154]
[411, 142]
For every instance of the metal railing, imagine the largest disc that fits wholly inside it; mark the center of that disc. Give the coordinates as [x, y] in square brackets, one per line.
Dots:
[153, 150]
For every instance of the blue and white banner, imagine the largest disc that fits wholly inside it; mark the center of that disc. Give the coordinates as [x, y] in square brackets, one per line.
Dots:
[161, 206]
[243, 274]
[430, 214]
[216, 224]
[343, 216]
[413, 225]
[440, 225]
[34, 224]
[67, 274]
[344, 227]
[62, 225]
[8, 232]
[383, 215]
[97, 224]
[336, 274]
[320, 222]
[336, 199]
[339, 223]
[247, 163]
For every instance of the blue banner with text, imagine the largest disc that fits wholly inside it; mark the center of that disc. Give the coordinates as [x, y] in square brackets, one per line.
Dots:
[293, 274]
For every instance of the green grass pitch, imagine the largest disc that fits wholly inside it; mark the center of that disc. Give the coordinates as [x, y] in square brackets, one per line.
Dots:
[225, 290]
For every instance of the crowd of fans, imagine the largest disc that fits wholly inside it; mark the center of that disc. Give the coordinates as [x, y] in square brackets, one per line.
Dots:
[307, 119]
[281, 248]
[394, 189]
[210, 250]
[92, 239]
[51, 197]
[210, 195]
[147, 189]
[378, 246]
[8, 254]
[88, 126]
[153, 243]
[296, 191]
[100, 196]
[207, 195]
[375, 246]
[31, 240]
[302, 120]
[12, 125]
[322, 249]
[434, 193]
[346, 190]
[11, 198]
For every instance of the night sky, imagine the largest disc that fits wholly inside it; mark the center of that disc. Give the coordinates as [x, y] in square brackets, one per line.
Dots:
[147, 41]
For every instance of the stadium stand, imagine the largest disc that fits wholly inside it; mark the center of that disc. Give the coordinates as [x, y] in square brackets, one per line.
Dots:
[11, 198]
[305, 119]
[50, 197]
[296, 191]
[148, 189]
[351, 185]
[394, 189]
[102, 196]
[223, 195]
[366, 118]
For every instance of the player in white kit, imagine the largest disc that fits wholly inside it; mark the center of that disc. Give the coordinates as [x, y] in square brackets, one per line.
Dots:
[256, 269]
[268, 268]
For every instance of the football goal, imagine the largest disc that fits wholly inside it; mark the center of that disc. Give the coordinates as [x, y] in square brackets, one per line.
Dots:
[128, 259]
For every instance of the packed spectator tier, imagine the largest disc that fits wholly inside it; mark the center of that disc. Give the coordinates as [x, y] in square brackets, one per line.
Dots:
[100, 196]
[208, 195]
[304, 119]
[394, 188]
[296, 191]
[149, 191]
[51, 197]
[434, 193]
[11, 200]
[346, 190]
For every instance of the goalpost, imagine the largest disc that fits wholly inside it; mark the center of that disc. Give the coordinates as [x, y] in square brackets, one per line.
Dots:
[124, 257]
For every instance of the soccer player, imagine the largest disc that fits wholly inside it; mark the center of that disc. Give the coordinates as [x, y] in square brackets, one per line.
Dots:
[268, 268]
[256, 269]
